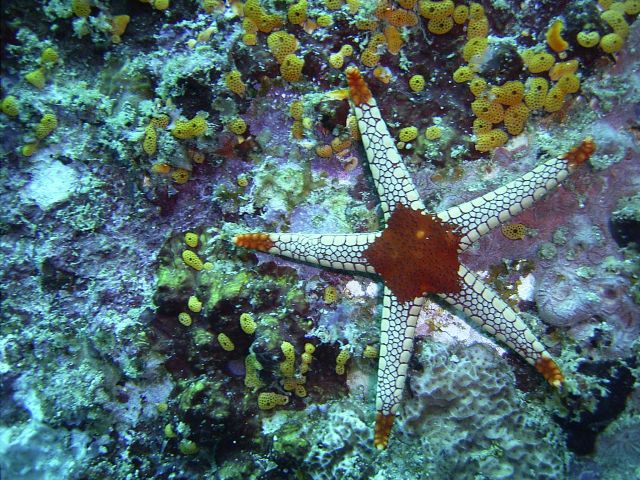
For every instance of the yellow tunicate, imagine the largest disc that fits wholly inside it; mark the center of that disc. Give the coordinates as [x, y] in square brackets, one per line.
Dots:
[168, 431]
[251, 368]
[476, 11]
[160, 4]
[346, 50]
[10, 106]
[191, 259]
[340, 144]
[554, 37]
[509, 93]
[481, 126]
[324, 20]
[537, 88]
[440, 26]
[47, 124]
[324, 151]
[233, 81]
[354, 6]
[336, 60]
[119, 26]
[287, 368]
[269, 400]
[297, 13]
[185, 319]
[433, 133]
[237, 126]
[588, 39]
[48, 56]
[611, 43]
[296, 110]
[538, 62]
[185, 129]
[242, 180]
[394, 39]
[180, 175]
[287, 350]
[514, 231]
[616, 21]
[460, 14]
[150, 140]
[194, 304]
[309, 348]
[333, 4]
[569, 83]
[632, 7]
[343, 356]
[210, 5]
[369, 57]
[191, 239]
[247, 323]
[490, 111]
[291, 68]
[250, 39]
[29, 149]
[515, 118]
[554, 100]
[490, 140]
[161, 120]
[562, 68]
[306, 357]
[340, 369]
[36, 78]
[81, 8]
[478, 85]
[417, 83]
[478, 28]
[474, 48]
[436, 10]
[330, 294]
[300, 391]
[225, 342]
[297, 130]
[408, 134]
[463, 74]
[289, 384]
[281, 44]
[370, 352]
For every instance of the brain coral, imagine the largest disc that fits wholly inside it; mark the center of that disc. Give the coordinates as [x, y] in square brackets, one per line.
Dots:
[465, 400]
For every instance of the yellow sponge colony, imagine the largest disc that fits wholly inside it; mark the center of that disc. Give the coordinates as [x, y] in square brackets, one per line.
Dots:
[191, 239]
[554, 100]
[417, 83]
[538, 62]
[233, 81]
[194, 304]
[150, 140]
[611, 43]
[36, 78]
[491, 112]
[282, 44]
[588, 39]
[509, 93]
[185, 319]
[537, 88]
[515, 118]
[237, 126]
[341, 360]
[408, 134]
[10, 106]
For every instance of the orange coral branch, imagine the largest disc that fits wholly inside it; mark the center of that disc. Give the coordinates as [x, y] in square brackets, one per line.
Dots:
[358, 88]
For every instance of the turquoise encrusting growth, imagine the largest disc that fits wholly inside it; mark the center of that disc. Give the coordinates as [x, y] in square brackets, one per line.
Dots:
[139, 138]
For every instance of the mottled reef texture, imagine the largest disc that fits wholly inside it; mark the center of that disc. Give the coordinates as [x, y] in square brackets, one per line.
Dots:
[104, 170]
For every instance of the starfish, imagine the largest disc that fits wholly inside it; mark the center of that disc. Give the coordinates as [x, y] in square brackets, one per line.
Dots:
[417, 254]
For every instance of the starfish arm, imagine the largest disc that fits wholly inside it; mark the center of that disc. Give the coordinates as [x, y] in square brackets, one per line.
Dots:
[391, 178]
[341, 252]
[483, 306]
[479, 216]
[397, 329]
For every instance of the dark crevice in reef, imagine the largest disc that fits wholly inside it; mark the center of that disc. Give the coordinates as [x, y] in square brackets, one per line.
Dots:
[583, 424]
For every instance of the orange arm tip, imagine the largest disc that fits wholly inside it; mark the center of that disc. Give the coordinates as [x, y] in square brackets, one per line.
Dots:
[550, 371]
[580, 154]
[254, 241]
[382, 430]
[358, 88]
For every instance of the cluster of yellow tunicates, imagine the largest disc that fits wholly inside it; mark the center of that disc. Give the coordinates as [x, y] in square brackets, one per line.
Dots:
[614, 16]
[191, 259]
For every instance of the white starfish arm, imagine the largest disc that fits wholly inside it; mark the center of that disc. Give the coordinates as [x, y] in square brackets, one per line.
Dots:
[341, 252]
[486, 309]
[397, 329]
[391, 178]
[479, 216]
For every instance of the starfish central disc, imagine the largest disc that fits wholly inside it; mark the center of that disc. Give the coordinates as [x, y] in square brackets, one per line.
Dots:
[416, 254]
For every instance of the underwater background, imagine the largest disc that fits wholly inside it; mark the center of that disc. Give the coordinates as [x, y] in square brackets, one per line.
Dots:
[139, 137]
